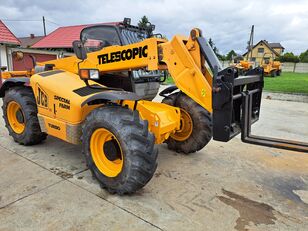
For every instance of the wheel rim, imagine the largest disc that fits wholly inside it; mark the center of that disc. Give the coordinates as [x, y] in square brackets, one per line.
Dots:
[186, 127]
[16, 117]
[106, 152]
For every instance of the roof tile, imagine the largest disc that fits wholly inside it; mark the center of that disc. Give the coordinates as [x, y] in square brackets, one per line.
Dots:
[63, 36]
[6, 36]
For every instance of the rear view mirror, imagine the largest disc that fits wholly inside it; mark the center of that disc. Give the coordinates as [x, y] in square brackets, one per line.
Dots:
[79, 50]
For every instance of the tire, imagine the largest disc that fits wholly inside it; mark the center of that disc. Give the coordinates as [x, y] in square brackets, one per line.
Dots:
[133, 140]
[201, 132]
[31, 132]
[279, 73]
[273, 73]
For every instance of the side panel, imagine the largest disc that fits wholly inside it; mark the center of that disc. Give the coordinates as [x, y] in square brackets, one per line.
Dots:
[55, 96]
[61, 110]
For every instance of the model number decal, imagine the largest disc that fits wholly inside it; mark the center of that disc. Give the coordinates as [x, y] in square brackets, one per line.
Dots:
[54, 126]
[140, 52]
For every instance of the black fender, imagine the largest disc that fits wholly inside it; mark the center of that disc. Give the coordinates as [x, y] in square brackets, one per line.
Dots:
[168, 91]
[112, 96]
[13, 82]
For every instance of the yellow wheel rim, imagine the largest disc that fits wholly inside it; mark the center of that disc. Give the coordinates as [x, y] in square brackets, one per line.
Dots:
[106, 152]
[16, 117]
[186, 127]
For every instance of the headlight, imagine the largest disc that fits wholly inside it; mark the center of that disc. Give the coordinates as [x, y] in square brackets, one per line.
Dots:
[89, 74]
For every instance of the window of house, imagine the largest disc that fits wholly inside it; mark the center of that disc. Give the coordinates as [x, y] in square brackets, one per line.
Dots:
[253, 59]
[260, 50]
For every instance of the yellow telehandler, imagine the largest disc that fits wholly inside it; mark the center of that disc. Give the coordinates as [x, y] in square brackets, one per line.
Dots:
[95, 98]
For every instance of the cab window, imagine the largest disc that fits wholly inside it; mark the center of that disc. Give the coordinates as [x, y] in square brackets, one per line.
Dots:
[96, 38]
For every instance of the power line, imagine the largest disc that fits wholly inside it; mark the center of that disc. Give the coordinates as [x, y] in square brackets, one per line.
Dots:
[52, 22]
[21, 20]
[28, 20]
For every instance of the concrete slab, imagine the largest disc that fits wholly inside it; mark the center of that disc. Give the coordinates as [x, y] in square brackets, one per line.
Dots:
[225, 186]
[62, 158]
[21, 178]
[214, 189]
[68, 207]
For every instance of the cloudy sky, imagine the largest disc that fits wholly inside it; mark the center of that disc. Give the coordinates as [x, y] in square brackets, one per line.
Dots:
[226, 22]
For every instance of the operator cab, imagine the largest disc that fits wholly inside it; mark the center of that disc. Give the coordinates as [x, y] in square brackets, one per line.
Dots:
[143, 83]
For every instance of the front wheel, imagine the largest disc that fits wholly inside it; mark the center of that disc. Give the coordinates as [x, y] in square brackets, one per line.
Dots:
[119, 149]
[196, 125]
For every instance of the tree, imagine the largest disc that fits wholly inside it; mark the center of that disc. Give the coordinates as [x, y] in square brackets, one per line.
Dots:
[231, 55]
[143, 22]
[289, 57]
[303, 57]
[216, 51]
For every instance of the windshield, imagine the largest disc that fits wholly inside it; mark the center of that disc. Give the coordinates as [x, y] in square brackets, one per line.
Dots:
[95, 38]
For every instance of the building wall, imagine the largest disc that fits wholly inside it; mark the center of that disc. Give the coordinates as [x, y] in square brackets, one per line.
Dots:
[40, 56]
[267, 54]
[3, 56]
[27, 63]
[278, 50]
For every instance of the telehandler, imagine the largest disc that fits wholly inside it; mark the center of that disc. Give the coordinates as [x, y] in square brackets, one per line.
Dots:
[91, 98]
[271, 68]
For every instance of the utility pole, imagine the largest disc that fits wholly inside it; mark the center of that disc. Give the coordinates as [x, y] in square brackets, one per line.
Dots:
[250, 43]
[44, 25]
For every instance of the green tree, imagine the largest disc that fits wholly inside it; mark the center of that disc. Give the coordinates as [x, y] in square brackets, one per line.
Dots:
[143, 22]
[303, 57]
[231, 55]
[216, 51]
[289, 57]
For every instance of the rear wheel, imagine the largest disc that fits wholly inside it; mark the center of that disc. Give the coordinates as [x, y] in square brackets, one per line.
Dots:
[20, 116]
[273, 73]
[119, 149]
[279, 73]
[196, 125]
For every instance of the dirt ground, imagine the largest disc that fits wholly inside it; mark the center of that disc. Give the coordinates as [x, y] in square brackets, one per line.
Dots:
[225, 186]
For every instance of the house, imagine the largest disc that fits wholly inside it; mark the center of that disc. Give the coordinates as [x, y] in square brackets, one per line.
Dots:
[62, 38]
[264, 50]
[27, 42]
[10, 44]
[7, 40]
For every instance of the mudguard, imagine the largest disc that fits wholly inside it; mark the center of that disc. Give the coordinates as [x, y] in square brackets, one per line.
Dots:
[13, 82]
[111, 96]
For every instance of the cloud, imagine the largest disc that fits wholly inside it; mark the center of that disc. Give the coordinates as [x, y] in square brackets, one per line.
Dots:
[226, 22]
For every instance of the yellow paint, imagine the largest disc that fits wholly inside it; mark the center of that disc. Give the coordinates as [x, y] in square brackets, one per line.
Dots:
[186, 127]
[163, 119]
[110, 168]
[55, 127]
[12, 109]
[61, 106]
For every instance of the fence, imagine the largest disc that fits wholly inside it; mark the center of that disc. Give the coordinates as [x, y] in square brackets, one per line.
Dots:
[288, 67]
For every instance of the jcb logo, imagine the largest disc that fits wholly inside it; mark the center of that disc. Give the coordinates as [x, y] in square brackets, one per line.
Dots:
[42, 98]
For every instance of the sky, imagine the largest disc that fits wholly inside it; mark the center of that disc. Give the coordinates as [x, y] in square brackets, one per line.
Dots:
[228, 23]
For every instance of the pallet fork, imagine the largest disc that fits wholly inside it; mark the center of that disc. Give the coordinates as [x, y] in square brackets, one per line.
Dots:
[237, 102]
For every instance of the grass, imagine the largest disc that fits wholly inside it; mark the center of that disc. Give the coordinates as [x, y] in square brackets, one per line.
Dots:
[288, 82]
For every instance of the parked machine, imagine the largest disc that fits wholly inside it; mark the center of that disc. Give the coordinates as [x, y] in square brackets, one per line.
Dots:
[242, 65]
[92, 99]
[271, 68]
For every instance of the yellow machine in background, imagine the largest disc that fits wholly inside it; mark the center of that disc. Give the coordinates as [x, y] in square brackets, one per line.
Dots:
[271, 68]
[95, 99]
[242, 65]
